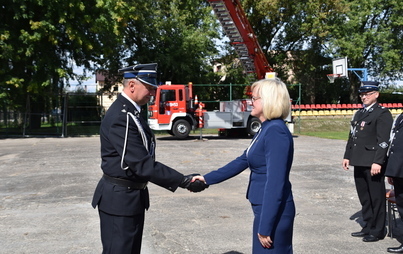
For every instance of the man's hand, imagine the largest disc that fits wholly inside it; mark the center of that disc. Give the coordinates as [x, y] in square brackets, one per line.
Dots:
[187, 180]
[375, 169]
[197, 186]
[193, 183]
[345, 164]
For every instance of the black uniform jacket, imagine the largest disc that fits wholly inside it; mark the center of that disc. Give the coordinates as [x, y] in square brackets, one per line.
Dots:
[395, 161]
[369, 136]
[142, 167]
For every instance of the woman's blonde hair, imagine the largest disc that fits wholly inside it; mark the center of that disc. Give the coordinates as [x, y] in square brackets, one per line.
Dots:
[275, 98]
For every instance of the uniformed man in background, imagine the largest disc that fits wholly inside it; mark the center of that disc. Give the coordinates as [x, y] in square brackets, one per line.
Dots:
[394, 169]
[366, 150]
[128, 164]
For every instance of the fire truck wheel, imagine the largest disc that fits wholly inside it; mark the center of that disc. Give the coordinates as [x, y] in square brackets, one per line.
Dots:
[253, 126]
[181, 129]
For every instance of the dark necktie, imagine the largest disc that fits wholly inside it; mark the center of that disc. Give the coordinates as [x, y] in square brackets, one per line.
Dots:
[360, 113]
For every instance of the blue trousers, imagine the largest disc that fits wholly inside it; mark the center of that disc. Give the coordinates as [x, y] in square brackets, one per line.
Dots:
[121, 234]
[282, 236]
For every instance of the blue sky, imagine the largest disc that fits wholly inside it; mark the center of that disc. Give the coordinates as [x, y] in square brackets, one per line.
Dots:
[90, 83]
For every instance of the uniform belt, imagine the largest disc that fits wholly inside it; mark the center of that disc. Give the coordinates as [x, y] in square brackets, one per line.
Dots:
[125, 183]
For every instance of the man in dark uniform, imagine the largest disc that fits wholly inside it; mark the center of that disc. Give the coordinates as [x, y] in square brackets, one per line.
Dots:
[366, 150]
[128, 164]
[394, 169]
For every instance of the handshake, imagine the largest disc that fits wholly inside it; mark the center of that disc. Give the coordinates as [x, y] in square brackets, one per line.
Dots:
[193, 186]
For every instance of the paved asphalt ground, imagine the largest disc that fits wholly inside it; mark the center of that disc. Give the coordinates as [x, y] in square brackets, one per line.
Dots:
[47, 186]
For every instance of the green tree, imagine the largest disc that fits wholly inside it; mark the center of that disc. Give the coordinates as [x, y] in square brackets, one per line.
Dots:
[42, 40]
[178, 35]
[369, 34]
[294, 35]
[302, 38]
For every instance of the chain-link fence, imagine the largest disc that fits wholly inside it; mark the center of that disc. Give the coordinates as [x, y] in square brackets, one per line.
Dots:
[80, 113]
[75, 114]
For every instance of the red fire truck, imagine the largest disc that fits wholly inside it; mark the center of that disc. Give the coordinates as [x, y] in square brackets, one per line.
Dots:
[174, 108]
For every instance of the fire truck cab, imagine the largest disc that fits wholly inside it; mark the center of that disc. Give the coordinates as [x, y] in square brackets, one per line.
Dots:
[172, 110]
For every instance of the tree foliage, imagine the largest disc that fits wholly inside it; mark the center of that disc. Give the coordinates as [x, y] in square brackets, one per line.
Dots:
[304, 37]
[42, 40]
[178, 35]
[370, 36]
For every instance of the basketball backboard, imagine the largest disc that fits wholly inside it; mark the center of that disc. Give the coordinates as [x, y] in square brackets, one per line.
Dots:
[340, 66]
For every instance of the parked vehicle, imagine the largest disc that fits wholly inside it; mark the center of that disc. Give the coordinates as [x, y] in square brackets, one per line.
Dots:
[175, 111]
[175, 108]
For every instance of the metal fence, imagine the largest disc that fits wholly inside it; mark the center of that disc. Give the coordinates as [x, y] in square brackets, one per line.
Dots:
[74, 115]
[80, 114]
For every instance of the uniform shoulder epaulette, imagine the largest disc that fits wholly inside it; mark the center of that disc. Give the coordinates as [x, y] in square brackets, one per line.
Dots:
[124, 108]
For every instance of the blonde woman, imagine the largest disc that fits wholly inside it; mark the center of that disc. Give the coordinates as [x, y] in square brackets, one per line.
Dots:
[269, 157]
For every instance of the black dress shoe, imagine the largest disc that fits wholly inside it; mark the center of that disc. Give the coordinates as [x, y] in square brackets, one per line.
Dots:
[359, 234]
[396, 250]
[371, 238]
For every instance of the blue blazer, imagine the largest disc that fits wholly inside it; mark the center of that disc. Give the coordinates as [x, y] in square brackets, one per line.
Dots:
[269, 158]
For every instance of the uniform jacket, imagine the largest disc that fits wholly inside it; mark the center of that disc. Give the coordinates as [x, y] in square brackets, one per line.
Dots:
[142, 167]
[269, 158]
[369, 136]
[395, 160]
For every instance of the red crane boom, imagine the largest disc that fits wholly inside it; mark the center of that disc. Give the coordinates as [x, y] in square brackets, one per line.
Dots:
[236, 26]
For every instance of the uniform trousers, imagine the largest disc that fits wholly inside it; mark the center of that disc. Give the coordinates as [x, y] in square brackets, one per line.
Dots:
[372, 195]
[398, 187]
[121, 234]
[282, 235]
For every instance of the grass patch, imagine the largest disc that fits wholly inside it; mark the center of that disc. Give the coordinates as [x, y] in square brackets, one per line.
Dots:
[83, 129]
[324, 127]
[329, 135]
[72, 129]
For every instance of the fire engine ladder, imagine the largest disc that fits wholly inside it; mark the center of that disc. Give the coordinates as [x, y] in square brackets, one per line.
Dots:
[236, 26]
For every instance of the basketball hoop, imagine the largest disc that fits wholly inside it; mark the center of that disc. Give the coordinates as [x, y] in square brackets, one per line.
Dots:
[332, 77]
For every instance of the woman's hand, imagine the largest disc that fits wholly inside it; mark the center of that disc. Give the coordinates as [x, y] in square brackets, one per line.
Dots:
[200, 178]
[265, 240]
